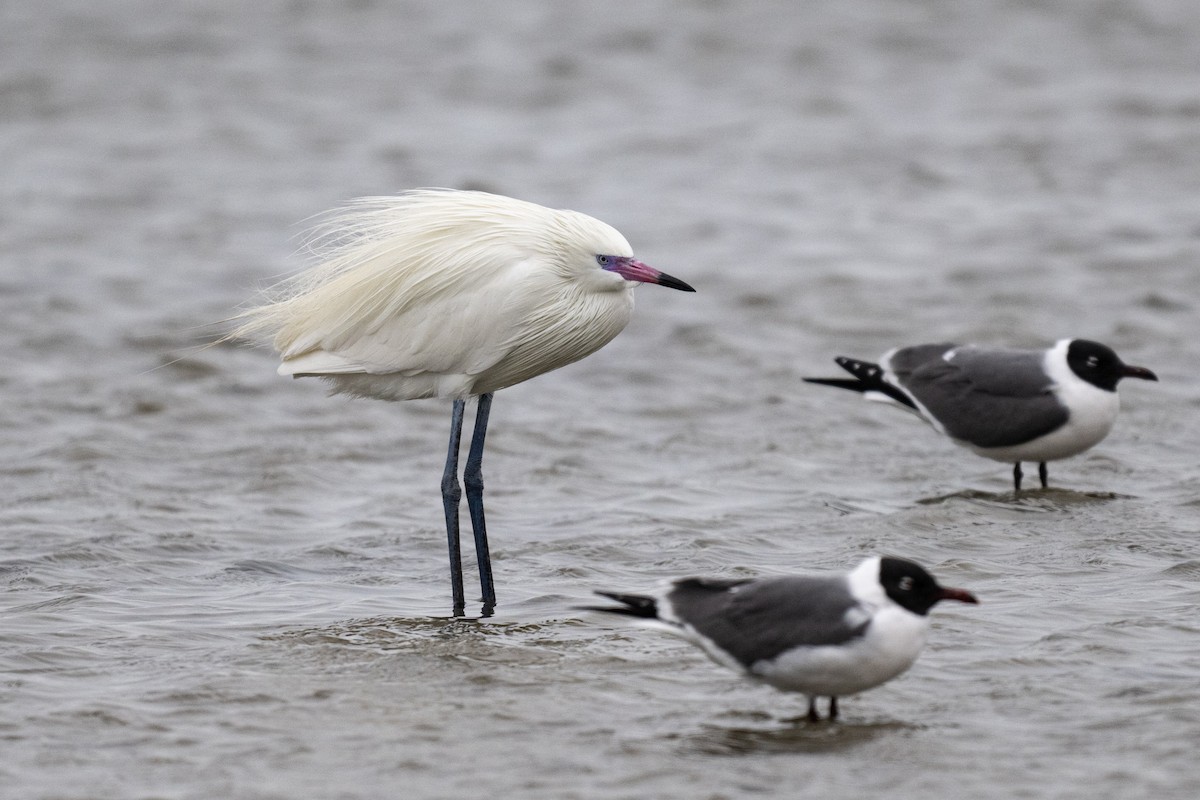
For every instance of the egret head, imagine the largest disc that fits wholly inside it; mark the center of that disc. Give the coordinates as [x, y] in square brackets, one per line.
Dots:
[598, 254]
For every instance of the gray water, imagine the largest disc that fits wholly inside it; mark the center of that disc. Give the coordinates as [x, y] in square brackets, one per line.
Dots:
[217, 583]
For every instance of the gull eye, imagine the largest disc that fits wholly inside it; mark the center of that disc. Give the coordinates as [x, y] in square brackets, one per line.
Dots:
[905, 584]
[1093, 362]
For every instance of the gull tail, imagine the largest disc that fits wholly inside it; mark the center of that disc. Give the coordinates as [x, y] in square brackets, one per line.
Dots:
[634, 605]
[868, 379]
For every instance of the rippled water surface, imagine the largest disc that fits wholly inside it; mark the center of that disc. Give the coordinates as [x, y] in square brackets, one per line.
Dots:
[218, 583]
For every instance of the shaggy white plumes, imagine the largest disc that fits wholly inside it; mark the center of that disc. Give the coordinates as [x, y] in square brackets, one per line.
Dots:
[435, 287]
[380, 255]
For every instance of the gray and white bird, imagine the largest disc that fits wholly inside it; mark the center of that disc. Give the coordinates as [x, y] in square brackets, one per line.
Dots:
[454, 294]
[1004, 404]
[822, 636]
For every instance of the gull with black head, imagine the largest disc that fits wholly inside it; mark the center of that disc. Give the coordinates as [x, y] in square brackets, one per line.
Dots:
[822, 636]
[1004, 404]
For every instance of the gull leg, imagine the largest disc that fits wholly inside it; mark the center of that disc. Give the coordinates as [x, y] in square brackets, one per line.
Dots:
[833, 709]
[1042, 473]
[451, 494]
[473, 478]
[1017, 477]
[813, 716]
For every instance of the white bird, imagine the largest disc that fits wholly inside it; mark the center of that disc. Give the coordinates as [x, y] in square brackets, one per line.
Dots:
[820, 636]
[455, 294]
[1004, 404]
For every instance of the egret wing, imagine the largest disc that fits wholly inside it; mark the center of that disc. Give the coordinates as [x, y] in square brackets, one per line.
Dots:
[440, 323]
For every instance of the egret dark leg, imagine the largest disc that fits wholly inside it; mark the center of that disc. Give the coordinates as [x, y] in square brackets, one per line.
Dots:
[451, 494]
[473, 478]
[1017, 477]
[1042, 473]
[813, 716]
[833, 712]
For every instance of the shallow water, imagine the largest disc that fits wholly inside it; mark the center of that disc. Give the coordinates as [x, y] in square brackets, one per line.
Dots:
[218, 583]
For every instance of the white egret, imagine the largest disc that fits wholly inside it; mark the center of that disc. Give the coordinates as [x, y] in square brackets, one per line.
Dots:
[455, 294]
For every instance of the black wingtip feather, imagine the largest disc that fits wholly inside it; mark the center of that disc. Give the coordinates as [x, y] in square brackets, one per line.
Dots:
[852, 384]
[868, 377]
[635, 605]
[865, 371]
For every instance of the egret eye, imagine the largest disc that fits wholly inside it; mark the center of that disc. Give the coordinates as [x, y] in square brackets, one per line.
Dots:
[603, 261]
[905, 584]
